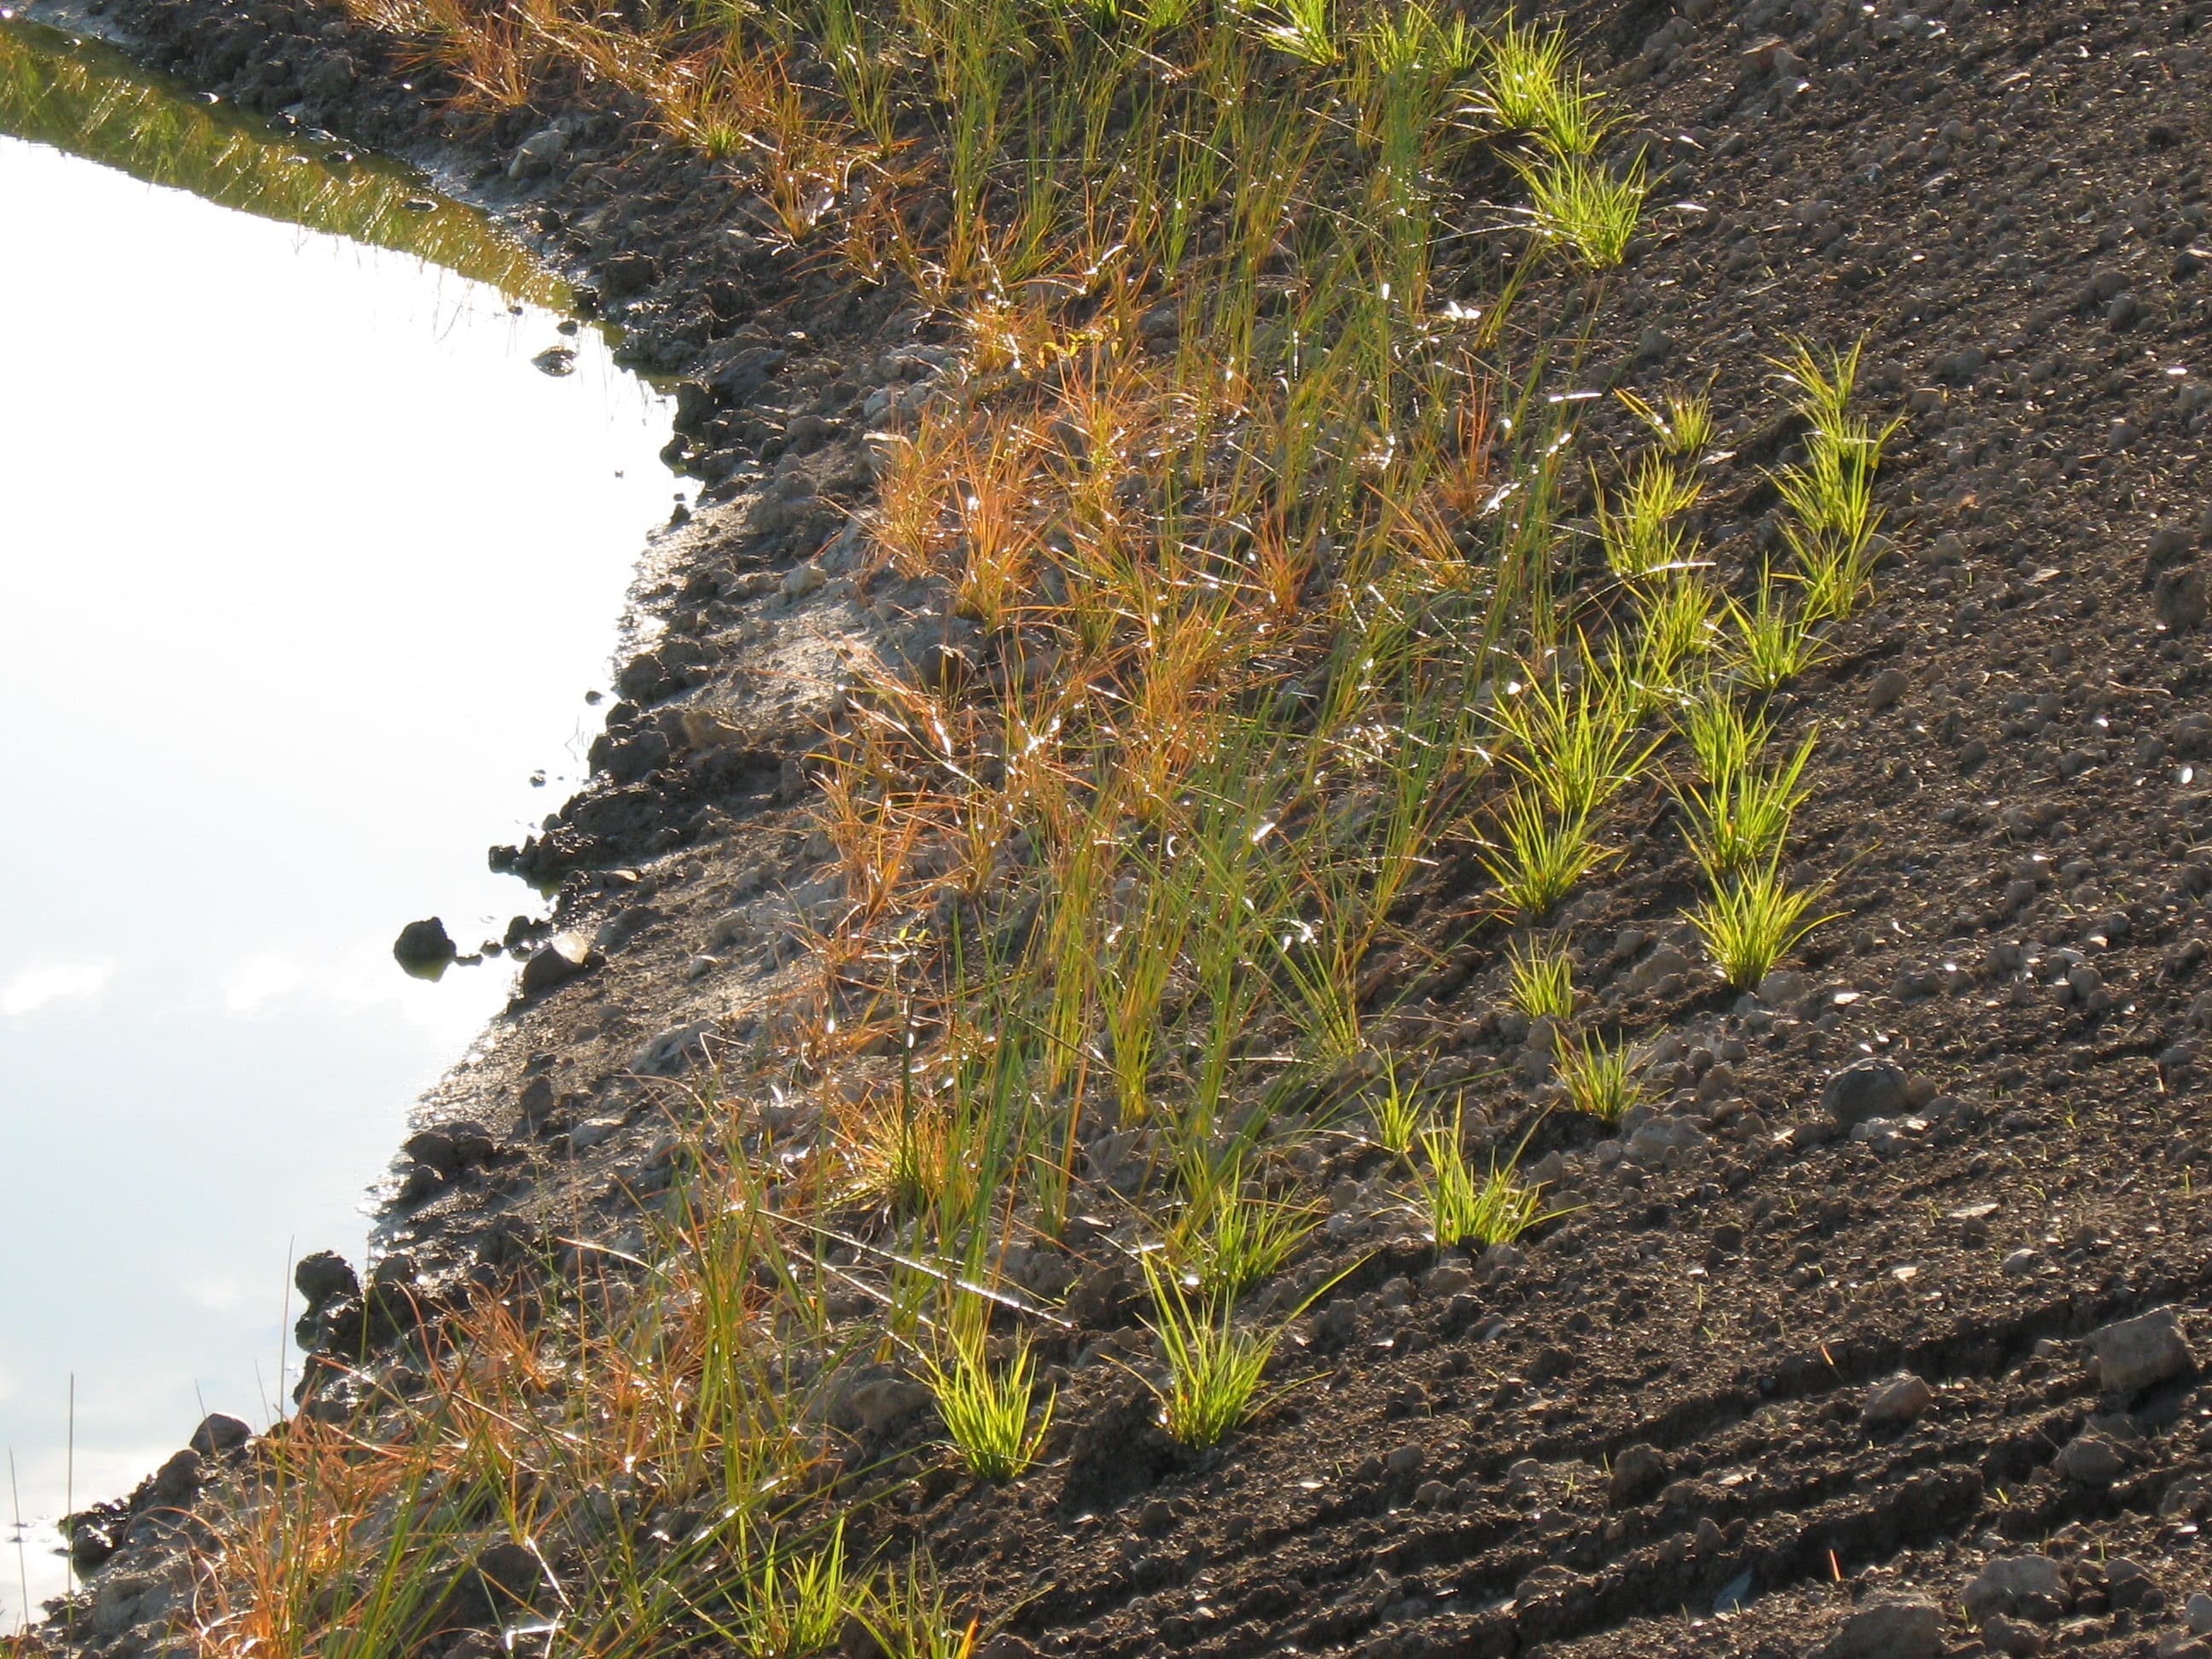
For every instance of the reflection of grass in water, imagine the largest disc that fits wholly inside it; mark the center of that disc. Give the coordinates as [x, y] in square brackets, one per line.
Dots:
[93, 102]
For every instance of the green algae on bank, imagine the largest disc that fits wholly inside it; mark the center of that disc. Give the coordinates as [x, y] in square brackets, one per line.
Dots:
[89, 99]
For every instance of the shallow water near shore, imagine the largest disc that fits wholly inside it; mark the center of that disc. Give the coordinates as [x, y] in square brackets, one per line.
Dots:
[305, 569]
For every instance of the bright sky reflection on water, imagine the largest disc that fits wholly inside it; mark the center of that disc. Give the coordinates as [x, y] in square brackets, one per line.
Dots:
[304, 569]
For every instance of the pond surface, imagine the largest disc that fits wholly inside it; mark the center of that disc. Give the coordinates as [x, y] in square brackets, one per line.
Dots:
[305, 569]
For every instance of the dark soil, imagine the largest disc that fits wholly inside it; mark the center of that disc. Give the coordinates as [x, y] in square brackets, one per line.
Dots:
[1647, 1432]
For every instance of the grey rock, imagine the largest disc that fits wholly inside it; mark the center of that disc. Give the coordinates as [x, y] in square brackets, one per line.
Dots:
[2012, 1637]
[1654, 1140]
[1901, 1400]
[881, 1403]
[2022, 1261]
[2092, 1459]
[176, 1480]
[423, 948]
[560, 959]
[2016, 1583]
[1888, 687]
[2199, 1611]
[219, 1433]
[2179, 598]
[675, 1048]
[2134, 1353]
[1871, 1088]
[1901, 1629]
[594, 1132]
[1403, 1460]
[555, 360]
[537, 153]
[1782, 987]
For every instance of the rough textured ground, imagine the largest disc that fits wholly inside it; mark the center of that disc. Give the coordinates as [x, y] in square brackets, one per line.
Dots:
[1667, 1424]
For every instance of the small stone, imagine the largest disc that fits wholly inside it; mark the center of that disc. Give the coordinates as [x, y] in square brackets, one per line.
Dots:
[2022, 1261]
[423, 948]
[2135, 1353]
[1901, 1400]
[2199, 1611]
[538, 152]
[1638, 1472]
[1902, 1629]
[2179, 598]
[1887, 688]
[2016, 1583]
[2090, 1459]
[1431, 1494]
[1871, 1088]
[1403, 1460]
[2012, 1637]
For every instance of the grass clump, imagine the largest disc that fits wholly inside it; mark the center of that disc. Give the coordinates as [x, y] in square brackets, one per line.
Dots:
[1751, 918]
[1601, 1078]
[1537, 858]
[988, 1410]
[1396, 1113]
[1214, 1365]
[1230, 1239]
[1737, 818]
[795, 1602]
[1540, 979]
[1463, 1208]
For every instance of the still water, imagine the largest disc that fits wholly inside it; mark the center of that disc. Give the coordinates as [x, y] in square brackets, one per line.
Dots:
[305, 569]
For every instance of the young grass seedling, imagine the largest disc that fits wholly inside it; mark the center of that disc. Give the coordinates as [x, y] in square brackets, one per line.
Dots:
[910, 1617]
[1396, 1113]
[1751, 920]
[1214, 1365]
[1540, 979]
[986, 1410]
[1585, 206]
[1772, 645]
[1538, 859]
[1230, 1239]
[794, 1608]
[1495, 1208]
[1738, 820]
[1601, 1078]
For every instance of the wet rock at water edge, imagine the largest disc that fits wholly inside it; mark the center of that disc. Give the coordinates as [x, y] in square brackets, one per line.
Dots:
[424, 949]
[324, 1276]
[555, 360]
[219, 1432]
[560, 959]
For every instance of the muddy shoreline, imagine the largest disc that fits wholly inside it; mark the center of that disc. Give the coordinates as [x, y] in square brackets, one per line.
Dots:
[1882, 1328]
